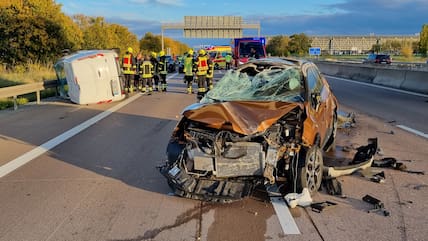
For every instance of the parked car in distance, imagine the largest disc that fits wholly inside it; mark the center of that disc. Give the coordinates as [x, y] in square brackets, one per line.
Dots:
[267, 122]
[378, 59]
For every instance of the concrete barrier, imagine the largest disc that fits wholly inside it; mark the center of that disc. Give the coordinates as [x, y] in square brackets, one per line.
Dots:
[416, 81]
[392, 76]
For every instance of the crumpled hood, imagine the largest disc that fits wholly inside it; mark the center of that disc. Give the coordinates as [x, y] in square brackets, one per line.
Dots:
[245, 117]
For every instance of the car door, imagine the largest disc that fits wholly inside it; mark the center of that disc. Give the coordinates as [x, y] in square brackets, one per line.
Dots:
[317, 97]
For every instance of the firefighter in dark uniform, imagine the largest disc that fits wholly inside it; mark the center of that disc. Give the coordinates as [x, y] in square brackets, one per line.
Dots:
[138, 79]
[162, 67]
[210, 74]
[128, 67]
[189, 63]
[154, 60]
[146, 73]
[201, 72]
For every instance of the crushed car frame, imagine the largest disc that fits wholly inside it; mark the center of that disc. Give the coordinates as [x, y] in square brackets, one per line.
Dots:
[267, 122]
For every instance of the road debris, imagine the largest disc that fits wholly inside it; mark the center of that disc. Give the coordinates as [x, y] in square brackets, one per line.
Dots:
[345, 120]
[362, 159]
[378, 205]
[333, 187]
[299, 199]
[321, 206]
[391, 162]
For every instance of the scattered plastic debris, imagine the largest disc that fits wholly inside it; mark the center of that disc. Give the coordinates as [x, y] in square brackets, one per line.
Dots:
[321, 206]
[345, 120]
[301, 199]
[378, 205]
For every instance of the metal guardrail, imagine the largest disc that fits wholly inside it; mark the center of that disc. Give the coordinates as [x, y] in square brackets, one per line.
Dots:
[15, 91]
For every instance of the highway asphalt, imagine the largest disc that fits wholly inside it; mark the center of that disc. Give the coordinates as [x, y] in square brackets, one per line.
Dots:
[102, 182]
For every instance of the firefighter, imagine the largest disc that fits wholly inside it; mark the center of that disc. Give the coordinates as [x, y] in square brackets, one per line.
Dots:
[201, 72]
[210, 74]
[154, 60]
[128, 67]
[188, 70]
[162, 67]
[228, 59]
[146, 73]
[138, 79]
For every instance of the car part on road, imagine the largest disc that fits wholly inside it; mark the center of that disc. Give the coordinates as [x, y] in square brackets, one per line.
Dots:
[378, 205]
[321, 206]
[298, 199]
[362, 159]
[333, 187]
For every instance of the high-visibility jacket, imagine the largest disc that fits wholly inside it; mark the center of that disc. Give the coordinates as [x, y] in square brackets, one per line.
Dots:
[162, 65]
[188, 66]
[210, 71]
[146, 69]
[228, 58]
[128, 64]
[202, 65]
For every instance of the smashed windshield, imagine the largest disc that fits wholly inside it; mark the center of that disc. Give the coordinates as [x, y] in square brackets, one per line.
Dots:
[271, 83]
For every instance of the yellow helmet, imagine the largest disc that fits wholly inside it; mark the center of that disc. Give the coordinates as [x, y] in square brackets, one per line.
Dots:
[130, 50]
[161, 53]
[153, 54]
[190, 51]
[201, 52]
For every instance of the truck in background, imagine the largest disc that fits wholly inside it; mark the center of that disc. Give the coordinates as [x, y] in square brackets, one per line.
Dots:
[242, 48]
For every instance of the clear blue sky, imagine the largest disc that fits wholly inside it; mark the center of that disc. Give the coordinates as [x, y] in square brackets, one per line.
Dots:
[312, 17]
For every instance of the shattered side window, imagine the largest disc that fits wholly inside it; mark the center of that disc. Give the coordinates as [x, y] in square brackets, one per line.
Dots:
[276, 83]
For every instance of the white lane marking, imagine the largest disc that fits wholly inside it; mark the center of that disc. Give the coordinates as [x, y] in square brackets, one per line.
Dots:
[379, 86]
[27, 157]
[285, 219]
[416, 132]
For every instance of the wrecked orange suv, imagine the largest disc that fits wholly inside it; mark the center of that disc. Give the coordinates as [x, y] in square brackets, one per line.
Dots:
[267, 122]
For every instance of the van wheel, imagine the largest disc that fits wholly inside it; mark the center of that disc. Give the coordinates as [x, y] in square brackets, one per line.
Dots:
[311, 172]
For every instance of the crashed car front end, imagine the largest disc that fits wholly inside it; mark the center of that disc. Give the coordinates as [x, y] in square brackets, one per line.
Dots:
[221, 164]
[246, 131]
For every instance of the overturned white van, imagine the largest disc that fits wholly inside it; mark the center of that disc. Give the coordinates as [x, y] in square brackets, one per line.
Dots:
[90, 76]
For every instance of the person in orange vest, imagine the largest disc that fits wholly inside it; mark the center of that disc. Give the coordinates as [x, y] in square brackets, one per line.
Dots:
[128, 67]
[146, 73]
[201, 72]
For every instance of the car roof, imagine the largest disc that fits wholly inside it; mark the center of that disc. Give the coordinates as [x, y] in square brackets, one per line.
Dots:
[271, 61]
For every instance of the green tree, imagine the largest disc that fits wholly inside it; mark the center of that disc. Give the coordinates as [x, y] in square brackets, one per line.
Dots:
[34, 30]
[150, 43]
[278, 46]
[299, 44]
[423, 43]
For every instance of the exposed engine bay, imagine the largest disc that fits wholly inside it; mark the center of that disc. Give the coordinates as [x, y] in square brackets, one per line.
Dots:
[222, 165]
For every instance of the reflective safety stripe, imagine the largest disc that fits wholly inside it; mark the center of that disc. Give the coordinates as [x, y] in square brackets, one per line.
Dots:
[146, 69]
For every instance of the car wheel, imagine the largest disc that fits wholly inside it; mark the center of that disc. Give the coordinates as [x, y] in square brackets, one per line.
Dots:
[311, 172]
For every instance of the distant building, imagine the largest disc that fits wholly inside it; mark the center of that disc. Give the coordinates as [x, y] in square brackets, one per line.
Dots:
[337, 44]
